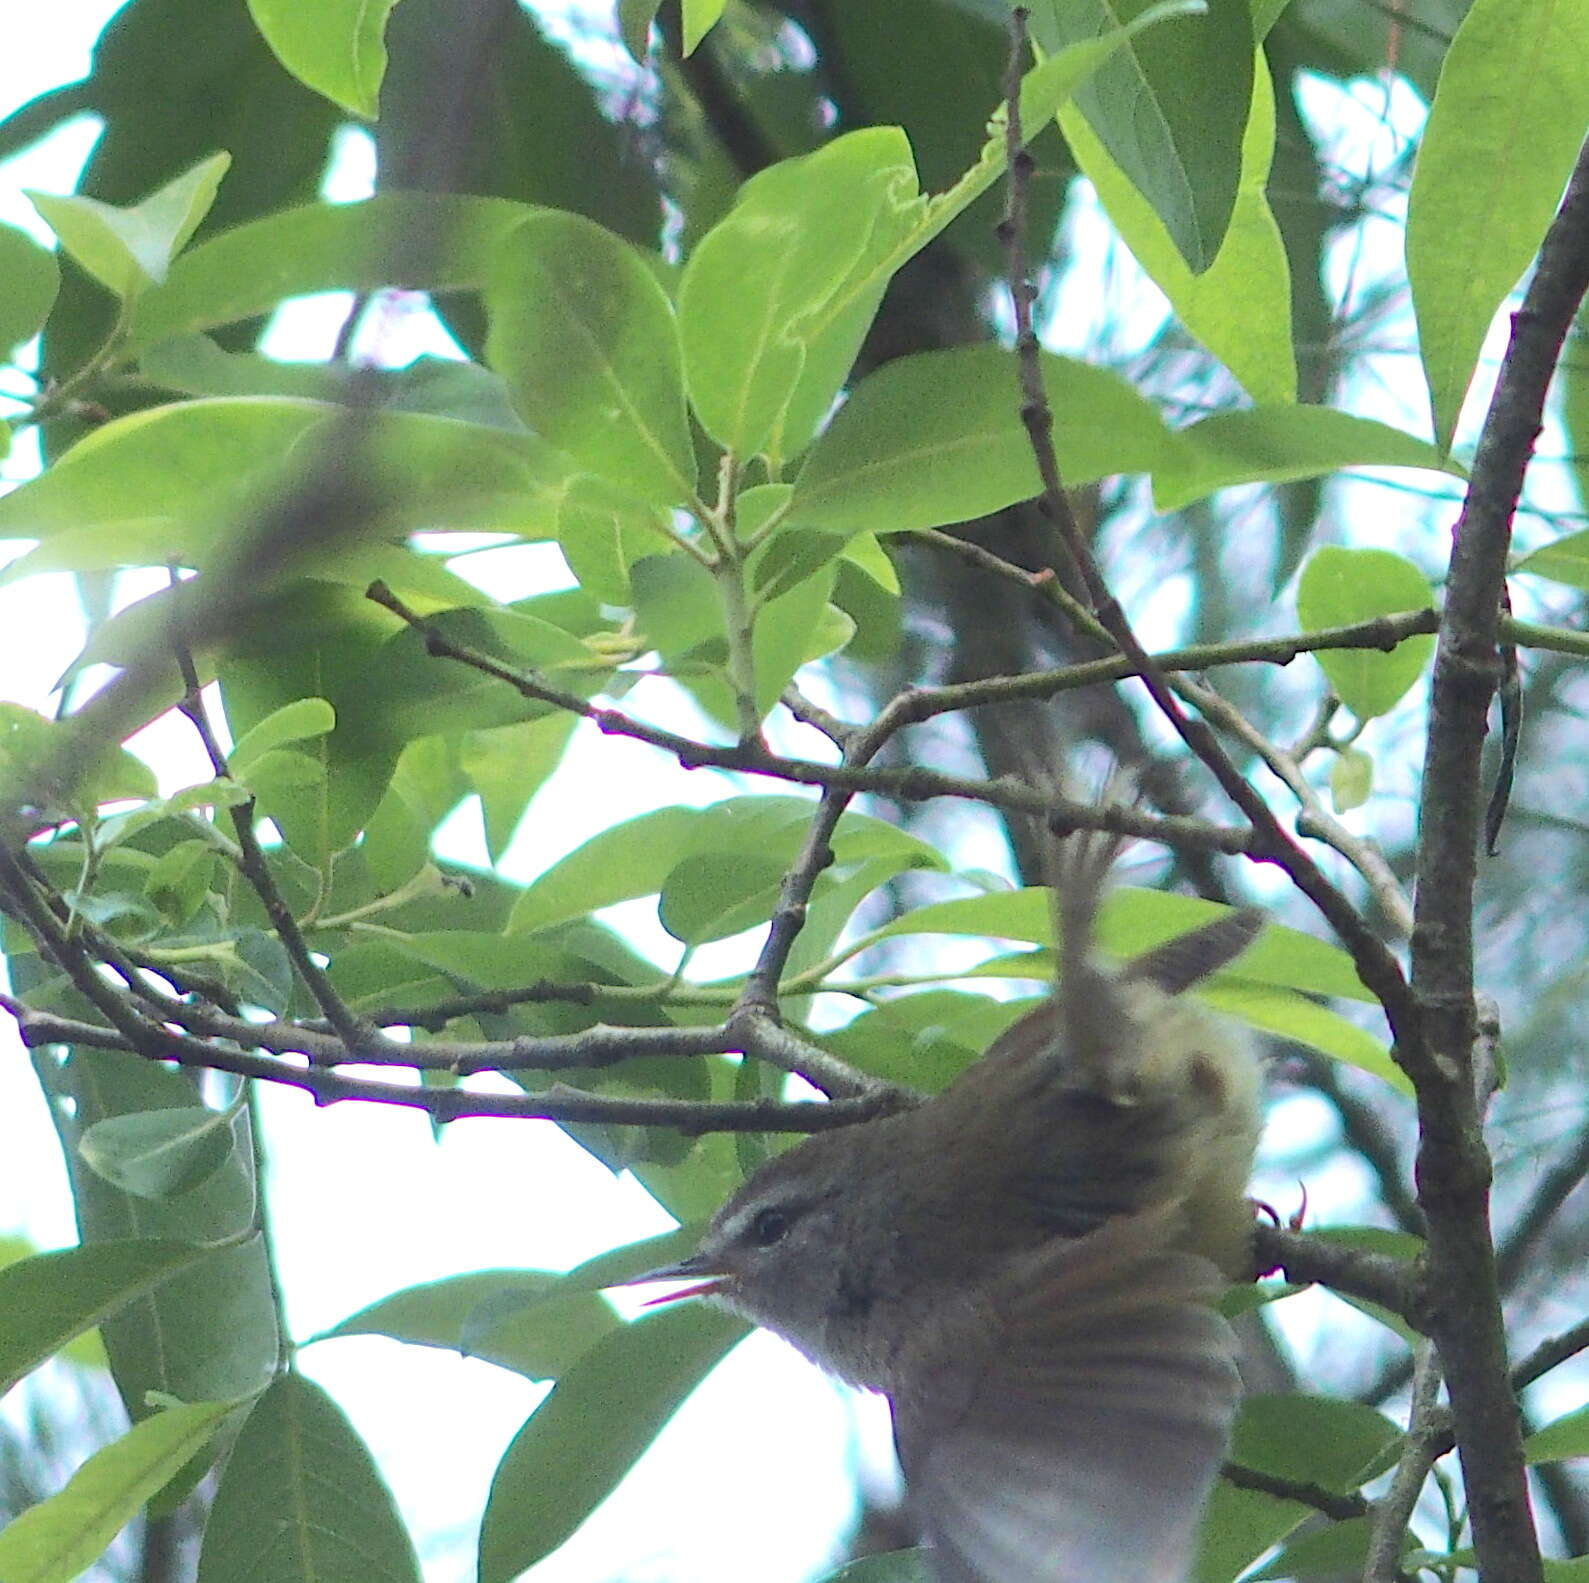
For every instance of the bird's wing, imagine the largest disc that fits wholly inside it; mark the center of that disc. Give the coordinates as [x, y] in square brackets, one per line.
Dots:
[1067, 1426]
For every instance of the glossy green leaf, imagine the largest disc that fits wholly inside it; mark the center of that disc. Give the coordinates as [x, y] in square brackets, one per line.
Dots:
[1240, 306]
[1339, 586]
[586, 1435]
[129, 249]
[1155, 108]
[435, 241]
[913, 220]
[301, 1498]
[49, 1298]
[61, 1537]
[1277, 444]
[525, 1320]
[336, 47]
[32, 278]
[899, 456]
[159, 1153]
[1506, 125]
[294, 722]
[586, 339]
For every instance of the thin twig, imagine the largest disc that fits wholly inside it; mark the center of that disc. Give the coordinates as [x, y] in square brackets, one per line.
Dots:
[558, 1103]
[1340, 1508]
[1316, 820]
[1376, 964]
[256, 869]
[909, 784]
[1393, 1511]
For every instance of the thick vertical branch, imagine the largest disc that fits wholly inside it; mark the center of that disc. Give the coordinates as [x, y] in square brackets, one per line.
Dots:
[1454, 1169]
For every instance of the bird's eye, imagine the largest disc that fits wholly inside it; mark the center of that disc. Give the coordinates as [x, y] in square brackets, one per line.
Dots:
[769, 1226]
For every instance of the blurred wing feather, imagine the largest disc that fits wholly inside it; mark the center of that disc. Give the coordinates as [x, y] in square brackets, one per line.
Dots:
[1068, 1425]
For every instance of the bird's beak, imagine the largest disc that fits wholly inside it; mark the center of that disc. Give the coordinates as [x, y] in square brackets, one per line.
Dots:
[685, 1270]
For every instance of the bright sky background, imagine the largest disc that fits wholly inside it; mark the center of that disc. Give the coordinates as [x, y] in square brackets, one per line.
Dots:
[364, 1203]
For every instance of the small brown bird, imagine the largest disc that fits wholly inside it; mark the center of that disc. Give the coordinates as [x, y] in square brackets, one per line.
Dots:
[1024, 1266]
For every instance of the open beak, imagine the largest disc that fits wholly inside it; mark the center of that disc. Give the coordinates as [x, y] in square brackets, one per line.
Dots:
[684, 1270]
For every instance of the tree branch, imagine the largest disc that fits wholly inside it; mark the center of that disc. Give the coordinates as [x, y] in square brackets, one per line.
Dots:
[1454, 1168]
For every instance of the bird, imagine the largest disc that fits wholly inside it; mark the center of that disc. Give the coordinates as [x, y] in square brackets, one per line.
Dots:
[1026, 1264]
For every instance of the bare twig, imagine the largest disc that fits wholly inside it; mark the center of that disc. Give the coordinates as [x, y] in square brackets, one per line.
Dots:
[558, 1103]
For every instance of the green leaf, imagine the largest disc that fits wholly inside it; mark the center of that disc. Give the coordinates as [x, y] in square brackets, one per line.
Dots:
[525, 1320]
[1506, 124]
[159, 1153]
[1278, 444]
[1240, 306]
[62, 1536]
[209, 1331]
[301, 1498]
[634, 20]
[913, 220]
[625, 860]
[1170, 108]
[585, 1436]
[170, 485]
[926, 1039]
[507, 765]
[753, 288]
[586, 339]
[699, 16]
[1563, 560]
[336, 47]
[1351, 779]
[896, 1566]
[32, 277]
[431, 241]
[1291, 1016]
[1339, 586]
[180, 880]
[899, 456]
[1567, 1436]
[1338, 1549]
[48, 1299]
[712, 895]
[130, 249]
[295, 722]
[1308, 1439]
